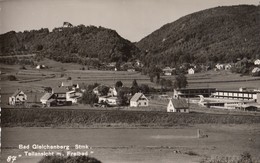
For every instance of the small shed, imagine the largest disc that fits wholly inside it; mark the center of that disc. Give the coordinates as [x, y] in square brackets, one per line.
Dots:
[178, 105]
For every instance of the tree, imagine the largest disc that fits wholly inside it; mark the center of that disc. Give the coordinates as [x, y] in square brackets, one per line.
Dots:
[103, 90]
[89, 98]
[118, 84]
[180, 81]
[144, 88]
[135, 87]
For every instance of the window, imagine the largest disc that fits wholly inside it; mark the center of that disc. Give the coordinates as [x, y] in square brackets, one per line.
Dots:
[144, 103]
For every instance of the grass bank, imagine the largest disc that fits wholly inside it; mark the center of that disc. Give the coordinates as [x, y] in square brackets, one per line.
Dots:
[110, 118]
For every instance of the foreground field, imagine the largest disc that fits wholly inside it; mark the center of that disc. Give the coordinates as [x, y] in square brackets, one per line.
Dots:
[177, 144]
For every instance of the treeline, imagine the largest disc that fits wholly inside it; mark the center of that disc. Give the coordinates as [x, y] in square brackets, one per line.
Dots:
[221, 34]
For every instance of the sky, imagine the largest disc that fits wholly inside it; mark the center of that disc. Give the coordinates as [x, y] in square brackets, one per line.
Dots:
[132, 19]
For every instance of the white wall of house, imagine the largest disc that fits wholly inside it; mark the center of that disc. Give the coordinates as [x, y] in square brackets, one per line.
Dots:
[139, 103]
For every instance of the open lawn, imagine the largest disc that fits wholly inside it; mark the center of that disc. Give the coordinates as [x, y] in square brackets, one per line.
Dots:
[178, 144]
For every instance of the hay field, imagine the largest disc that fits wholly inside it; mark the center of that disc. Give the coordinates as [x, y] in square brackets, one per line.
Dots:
[178, 144]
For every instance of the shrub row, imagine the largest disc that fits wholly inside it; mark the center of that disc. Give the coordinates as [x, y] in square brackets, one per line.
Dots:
[68, 117]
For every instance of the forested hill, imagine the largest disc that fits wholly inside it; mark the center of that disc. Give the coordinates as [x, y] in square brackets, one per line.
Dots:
[68, 43]
[220, 34]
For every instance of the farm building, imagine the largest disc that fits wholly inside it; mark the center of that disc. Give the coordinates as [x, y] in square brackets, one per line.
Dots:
[193, 92]
[138, 100]
[112, 101]
[178, 105]
[191, 71]
[18, 97]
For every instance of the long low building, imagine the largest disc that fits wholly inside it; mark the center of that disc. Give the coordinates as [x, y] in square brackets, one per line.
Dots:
[239, 95]
[193, 92]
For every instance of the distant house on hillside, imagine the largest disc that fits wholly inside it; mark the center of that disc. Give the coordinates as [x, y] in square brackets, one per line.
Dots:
[256, 71]
[191, 71]
[257, 62]
[178, 105]
[138, 100]
[18, 97]
[167, 71]
[228, 66]
[220, 66]
[40, 67]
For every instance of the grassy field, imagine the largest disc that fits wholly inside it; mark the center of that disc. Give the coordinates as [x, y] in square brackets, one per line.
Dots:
[114, 118]
[178, 144]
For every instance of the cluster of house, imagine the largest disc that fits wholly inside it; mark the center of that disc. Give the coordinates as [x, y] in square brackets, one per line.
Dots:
[127, 66]
[66, 94]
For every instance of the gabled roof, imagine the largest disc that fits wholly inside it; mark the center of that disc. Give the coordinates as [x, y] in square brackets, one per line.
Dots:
[67, 83]
[46, 96]
[137, 96]
[16, 93]
[179, 103]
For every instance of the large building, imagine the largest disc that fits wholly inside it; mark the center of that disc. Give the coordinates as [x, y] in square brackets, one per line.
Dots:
[193, 92]
[239, 95]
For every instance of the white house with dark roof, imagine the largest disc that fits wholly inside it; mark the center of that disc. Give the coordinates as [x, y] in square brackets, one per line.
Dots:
[139, 100]
[17, 98]
[257, 62]
[178, 105]
[191, 71]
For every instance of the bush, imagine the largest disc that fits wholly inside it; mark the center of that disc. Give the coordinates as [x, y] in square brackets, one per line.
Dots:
[12, 78]
[77, 159]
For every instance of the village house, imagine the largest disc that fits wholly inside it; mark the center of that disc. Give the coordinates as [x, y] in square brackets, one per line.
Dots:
[111, 101]
[18, 97]
[60, 95]
[139, 100]
[257, 62]
[191, 71]
[40, 67]
[178, 105]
